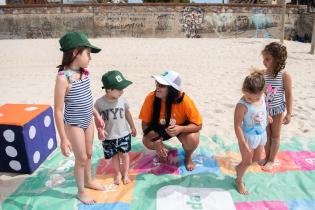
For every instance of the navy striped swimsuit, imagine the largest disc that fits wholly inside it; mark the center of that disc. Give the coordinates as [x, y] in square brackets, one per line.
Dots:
[78, 103]
[275, 100]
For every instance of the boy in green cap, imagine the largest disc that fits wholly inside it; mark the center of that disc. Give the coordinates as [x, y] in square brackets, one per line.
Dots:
[119, 125]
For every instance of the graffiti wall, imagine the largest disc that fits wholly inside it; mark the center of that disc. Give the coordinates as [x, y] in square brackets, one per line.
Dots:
[176, 20]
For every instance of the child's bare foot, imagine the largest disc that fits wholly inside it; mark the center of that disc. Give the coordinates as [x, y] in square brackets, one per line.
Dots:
[117, 179]
[94, 185]
[190, 165]
[126, 179]
[262, 162]
[85, 198]
[268, 166]
[241, 187]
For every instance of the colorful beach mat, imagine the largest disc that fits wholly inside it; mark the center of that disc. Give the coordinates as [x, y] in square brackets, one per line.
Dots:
[168, 185]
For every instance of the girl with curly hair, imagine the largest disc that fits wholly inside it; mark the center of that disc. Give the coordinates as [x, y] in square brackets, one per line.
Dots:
[278, 97]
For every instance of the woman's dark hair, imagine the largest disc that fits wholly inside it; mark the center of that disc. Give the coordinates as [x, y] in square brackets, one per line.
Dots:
[68, 58]
[173, 97]
[279, 54]
[254, 83]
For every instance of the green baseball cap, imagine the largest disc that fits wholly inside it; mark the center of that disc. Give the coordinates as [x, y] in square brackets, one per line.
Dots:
[114, 80]
[74, 40]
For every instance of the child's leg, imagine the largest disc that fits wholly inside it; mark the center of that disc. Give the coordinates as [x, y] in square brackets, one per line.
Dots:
[88, 180]
[258, 153]
[268, 144]
[275, 141]
[125, 167]
[241, 169]
[77, 139]
[116, 163]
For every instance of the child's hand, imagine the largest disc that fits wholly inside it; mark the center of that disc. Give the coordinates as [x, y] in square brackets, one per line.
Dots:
[65, 147]
[99, 122]
[101, 134]
[287, 119]
[270, 120]
[160, 149]
[133, 132]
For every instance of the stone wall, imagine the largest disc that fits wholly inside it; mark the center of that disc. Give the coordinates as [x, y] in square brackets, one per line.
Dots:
[148, 20]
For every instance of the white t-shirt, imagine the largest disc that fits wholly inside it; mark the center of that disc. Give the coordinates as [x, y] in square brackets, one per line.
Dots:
[113, 114]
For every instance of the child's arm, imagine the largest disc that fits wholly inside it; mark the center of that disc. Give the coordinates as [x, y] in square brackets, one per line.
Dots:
[60, 92]
[130, 122]
[239, 114]
[99, 122]
[269, 118]
[288, 96]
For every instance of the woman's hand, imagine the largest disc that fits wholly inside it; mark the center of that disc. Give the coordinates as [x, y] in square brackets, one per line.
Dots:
[174, 130]
[65, 147]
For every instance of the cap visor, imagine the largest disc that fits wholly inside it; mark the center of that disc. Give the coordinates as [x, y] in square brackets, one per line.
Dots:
[160, 80]
[124, 84]
[93, 48]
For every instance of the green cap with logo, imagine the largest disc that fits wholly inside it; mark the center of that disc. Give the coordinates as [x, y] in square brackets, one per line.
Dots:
[74, 40]
[114, 80]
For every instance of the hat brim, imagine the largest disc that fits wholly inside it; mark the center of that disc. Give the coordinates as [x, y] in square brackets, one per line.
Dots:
[123, 85]
[163, 81]
[93, 48]
[160, 80]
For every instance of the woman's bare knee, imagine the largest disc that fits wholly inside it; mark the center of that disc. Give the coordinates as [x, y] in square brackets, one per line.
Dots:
[190, 140]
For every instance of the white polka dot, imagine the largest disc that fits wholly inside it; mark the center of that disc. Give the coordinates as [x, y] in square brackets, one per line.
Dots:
[36, 157]
[31, 108]
[9, 135]
[15, 165]
[11, 151]
[1, 114]
[50, 143]
[32, 132]
[47, 121]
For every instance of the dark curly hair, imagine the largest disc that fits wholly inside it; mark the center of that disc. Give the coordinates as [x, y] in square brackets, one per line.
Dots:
[254, 83]
[279, 54]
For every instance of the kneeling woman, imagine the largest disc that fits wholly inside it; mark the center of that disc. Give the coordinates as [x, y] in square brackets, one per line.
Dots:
[168, 112]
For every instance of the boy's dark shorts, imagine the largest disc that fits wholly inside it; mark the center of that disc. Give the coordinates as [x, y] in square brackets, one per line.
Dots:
[112, 147]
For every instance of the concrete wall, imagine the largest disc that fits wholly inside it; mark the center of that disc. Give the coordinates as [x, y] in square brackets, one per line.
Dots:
[148, 20]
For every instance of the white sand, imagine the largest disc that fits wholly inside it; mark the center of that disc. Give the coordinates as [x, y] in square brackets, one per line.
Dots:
[212, 71]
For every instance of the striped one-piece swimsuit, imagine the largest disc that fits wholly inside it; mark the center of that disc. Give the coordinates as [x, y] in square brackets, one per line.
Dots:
[79, 103]
[275, 99]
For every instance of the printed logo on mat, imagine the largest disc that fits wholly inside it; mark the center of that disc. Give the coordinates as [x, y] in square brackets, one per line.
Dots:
[310, 161]
[172, 197]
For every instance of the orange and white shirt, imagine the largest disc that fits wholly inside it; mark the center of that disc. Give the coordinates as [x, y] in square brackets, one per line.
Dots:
[181, 112]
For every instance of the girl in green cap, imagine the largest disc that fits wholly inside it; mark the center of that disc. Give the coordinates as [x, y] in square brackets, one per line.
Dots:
[74, 109]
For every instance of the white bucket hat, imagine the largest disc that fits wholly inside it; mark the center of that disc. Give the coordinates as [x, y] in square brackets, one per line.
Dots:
[170, 78]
